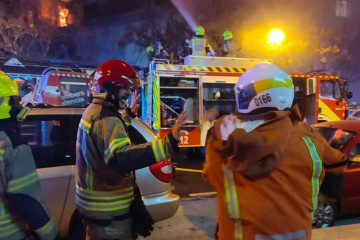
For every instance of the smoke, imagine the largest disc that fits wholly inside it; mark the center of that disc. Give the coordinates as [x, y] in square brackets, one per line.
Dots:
[308, 26]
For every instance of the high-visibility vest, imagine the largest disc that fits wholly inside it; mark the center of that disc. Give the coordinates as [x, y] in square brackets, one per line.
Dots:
[198, 46]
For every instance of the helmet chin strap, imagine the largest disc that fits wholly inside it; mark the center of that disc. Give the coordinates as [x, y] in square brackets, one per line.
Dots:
[24, 112]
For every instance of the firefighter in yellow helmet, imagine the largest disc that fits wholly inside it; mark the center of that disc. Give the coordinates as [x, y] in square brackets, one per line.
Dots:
[265, 164]
[150, 52]
[21, 200]
[198, 44]
[230, 47]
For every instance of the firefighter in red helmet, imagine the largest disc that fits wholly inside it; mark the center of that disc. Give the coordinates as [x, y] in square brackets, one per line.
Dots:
[106, 193]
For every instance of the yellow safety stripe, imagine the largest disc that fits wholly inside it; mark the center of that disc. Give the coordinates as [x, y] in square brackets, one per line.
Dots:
[7, 226]
[46, 229]
[197, 68]
[326, 110]
[114, 145]
[109, 199]
[156, 106]
[5, 108]
[105, 196]
[7, 231]
[317, 168]
[89, 178]
[107, 204]
[105, 192]
[2, 209]
[22, 182]
[2, 154]
[238, 233]
[104, 207]
[158, 150]
[266, 84]
[232, 200]
[4, 218]
[85, 126]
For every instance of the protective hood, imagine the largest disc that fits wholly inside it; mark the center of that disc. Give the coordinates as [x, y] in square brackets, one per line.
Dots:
[258, 152]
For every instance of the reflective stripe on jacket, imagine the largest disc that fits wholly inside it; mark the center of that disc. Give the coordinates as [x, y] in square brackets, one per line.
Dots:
[8, 228]
[279, 203]
[20, 178]
[105, 159]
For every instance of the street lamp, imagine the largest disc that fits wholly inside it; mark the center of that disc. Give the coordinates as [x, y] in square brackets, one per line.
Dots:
[276, 36]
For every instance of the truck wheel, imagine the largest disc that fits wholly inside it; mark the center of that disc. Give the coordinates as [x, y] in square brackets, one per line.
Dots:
[325, 215]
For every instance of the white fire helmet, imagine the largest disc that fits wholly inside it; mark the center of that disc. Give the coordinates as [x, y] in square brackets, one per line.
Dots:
[264, 86]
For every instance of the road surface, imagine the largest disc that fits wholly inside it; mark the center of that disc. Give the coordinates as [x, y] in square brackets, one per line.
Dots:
[195, 220]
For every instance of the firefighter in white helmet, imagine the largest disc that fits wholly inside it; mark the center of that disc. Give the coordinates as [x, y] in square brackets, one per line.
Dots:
[265, 165]
[21, 200]
[106, 193]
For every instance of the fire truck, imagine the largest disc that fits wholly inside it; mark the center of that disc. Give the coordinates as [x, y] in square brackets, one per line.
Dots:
[200, 84]
[62, 87]
[203, 83]
[50, 82]
[321, 97]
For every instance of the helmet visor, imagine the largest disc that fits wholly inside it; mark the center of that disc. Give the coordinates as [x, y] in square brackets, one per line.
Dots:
[244, 96]
[134, 82]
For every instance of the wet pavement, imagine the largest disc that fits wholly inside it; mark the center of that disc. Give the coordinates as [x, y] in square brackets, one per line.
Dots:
[196, 219]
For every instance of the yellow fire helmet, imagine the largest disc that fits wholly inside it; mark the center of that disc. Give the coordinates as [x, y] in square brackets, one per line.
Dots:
[149, 49]
[200, 31]
[264, 86]
[8, 88]
[227, 35]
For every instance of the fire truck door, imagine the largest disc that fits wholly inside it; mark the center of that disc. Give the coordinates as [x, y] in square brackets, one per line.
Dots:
[310, 113]
[52, 92]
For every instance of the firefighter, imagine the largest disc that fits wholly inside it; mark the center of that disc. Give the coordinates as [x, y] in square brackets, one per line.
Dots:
[265, 164]
[21, 202]
[230, 47]
[198, 44]
[105, 158]
[150, 52]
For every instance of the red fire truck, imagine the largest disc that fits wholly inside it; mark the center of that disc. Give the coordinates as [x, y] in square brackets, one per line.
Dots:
[62, 87]
[208, 82]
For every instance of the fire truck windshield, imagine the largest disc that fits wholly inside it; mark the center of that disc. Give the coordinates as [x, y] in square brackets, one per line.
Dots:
[330, 89]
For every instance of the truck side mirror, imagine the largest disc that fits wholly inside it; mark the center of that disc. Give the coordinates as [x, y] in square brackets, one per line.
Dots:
[349, 95]
[310, 86]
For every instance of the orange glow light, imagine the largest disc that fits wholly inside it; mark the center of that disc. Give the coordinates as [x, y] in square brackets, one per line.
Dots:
[63, 16]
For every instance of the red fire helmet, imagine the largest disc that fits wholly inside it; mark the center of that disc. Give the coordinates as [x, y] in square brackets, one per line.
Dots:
[114, 74]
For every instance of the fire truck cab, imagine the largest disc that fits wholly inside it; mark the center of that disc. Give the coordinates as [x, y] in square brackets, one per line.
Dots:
[321, 97]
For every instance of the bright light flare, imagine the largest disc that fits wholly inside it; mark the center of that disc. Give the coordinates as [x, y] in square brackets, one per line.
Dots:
[276, 36]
